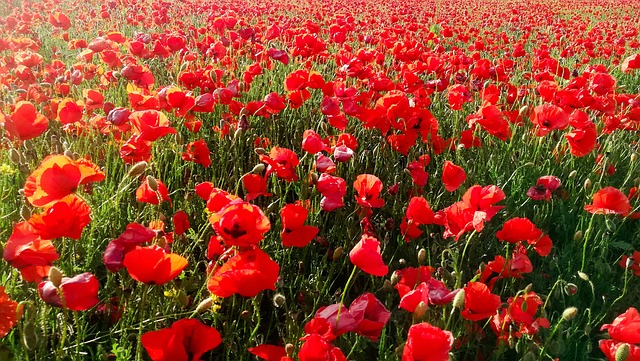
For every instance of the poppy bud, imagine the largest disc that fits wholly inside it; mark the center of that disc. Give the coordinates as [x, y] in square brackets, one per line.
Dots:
[395, 278]
[623, 351]
[337, 253]
[153, 183]
[68, 153]
[587, 184]
[245, 315]
[421, 308]
[279, 300]
[116, 74]
[387, 287]
[523, 110]
[528, 288]
[258, 168]
[634, 157]
[573, 173]
[402, 262]
[25, 212]
[577, 236]
[583, 276]
[458, 301]
[422, 255]
[14, 155]
[629, 262]
[407, 172]
[260, 151]
[204, 305]
[138, 169]
[288, 348]
[237, 133]
[570, 289]
[313, 178]
[55, 276]
[569, 313]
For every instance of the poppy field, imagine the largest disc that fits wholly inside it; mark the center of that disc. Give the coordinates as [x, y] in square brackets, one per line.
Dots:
[319, 180]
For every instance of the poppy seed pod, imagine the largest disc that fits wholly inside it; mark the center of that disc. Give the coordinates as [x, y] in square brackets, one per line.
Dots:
[623, 351]
[570, 313]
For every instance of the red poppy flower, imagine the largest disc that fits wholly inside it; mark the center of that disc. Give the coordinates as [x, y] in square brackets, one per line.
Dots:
[134, 235]
[65, 218]
[630, 63]
[294, 232]
[609, 200]
[545, 186]
[152, 265]
[247, 274]
[57, 177]
[283, 162]
[198, 152]
[25, 250]
[366, 256]
[548, 117]
[333, 189]
[370, 315]
[419, 175]
[610, 349]
[479, 302]
[240, 224]
[427, 343]
[256, 185]
[492, 120]
[59, 20]
[270, 352]
[519, 316]
[10, 312]
[146, 194]
[368, 188]
[69, 111]
[324, 164]
[582, 140]
[186, 340]
[135, 149]
[316, 348]
[180, 223]
[312, 142]
[452, 176]
[625, 328]
[149, 125]
[80, 293]
[345, 322]
[25, 122]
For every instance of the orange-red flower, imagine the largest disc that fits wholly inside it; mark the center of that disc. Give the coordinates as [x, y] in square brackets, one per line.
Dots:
[283, 162]
[240, 224]
[427, 343]
[198, 152]
[479, 302]
[452, 176]
[186, 340]
[152, 265]
[57, 177]
[10, 312]
[29, 253]
[79, 293]
[25, 122]
[146, 194]
[368, 188]
[294, 232]
[65, 218]
[247, 274]
[609, 200]
[366, 256]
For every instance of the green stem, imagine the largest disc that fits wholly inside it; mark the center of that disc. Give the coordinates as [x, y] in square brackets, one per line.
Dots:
[346, 289]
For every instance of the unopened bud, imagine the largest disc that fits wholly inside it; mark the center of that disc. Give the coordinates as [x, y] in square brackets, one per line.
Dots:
[577, 236]
[245, 315]
[623, 351]
[313, 178]
[55, 276]
[260, 151]
[237, 133]
[569, 313]
[587, 184]
[422, 255]
[523, 110]
[458, 301]
[153, 183]
[337, 253]
[571, 289]
[395, 278]
[204, 305]
[25, 212]
[259, 168]
[583, 276]
[68, 153]
[279, 300]
[634, 157]
[421, 308]
[407, 172]
[387, 287]
[573, 173]
[14, 155]
[138, 169]
[528, 288]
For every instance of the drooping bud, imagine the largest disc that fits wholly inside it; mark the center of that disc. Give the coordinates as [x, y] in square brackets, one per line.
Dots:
[587, 184]
[570, 289]
[421, 308]
[260, 151]
[573, 173]
[259, 168]
[577, 236]
[288, 348]
[422, 255]
[204, 305]
[583, 276]
[458, 301]
[570, 313]
[138, 169]
[153, 183]
[337, 253]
